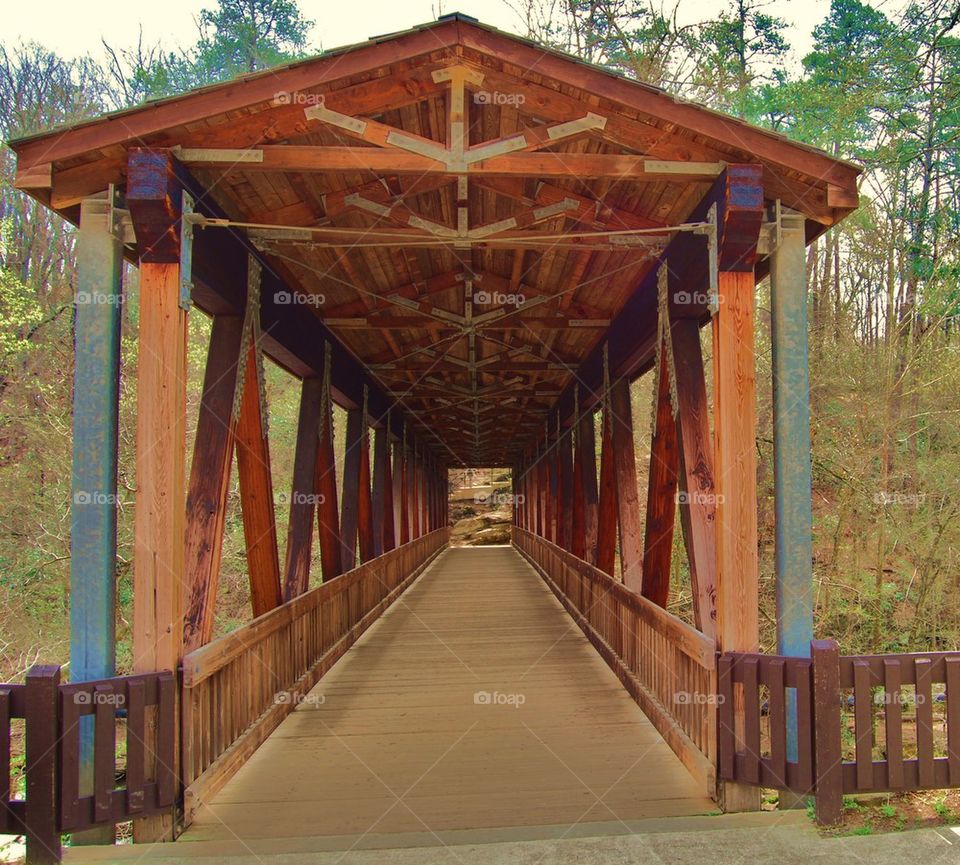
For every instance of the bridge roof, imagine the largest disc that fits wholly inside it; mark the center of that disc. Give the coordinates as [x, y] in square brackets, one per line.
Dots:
[471, 282]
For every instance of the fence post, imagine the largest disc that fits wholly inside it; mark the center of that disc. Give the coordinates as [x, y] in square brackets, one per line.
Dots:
[42, 818]
[828, 769]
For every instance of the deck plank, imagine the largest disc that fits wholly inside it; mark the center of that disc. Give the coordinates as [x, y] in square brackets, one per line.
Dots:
[394, 740]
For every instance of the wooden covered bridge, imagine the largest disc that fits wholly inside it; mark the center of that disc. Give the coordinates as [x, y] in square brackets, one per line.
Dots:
[473, 245]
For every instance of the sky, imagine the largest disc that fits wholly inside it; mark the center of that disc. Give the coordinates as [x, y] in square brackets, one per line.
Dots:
[74, 28]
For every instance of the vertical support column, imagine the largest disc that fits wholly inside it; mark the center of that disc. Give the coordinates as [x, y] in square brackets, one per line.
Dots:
[399, 492]
[607, 508]
[628, 505]
[350, 502]
[93, 502]
[383, 490]
[42, 729]
[791, 450]
[364, 501]
[565, 459]
[155, 201]
[586, 457]
[328, 515]
[303, 491]
[735, 448]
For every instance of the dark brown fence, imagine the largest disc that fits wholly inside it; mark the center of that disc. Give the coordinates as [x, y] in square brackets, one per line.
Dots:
[870, 723]
[52, 714]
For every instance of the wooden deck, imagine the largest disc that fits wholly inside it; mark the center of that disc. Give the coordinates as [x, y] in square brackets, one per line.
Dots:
[398, 737]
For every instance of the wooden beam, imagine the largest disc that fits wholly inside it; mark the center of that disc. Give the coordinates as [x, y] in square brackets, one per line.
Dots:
[158, 545]
[256, 493]
[607, 501]
[565, 497]
[382, 493]
[586, 485]
[313, 159]
[698, 499]
[350, 497]
[303, 492]
[400, 527]
[628, 505]
[661, 492]
[735, 447]
[210, 480]
[364, 499]
[328, 517]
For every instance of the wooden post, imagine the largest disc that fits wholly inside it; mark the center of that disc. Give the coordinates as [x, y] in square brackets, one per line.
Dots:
[587, 464]
[661, 491]
[735, 431]
[154, 199]
[625, 471]
[350, 501]
[42, 815]
[256, 492]
[303, 492]
[210, 479]
[364, 501]
[565, 458]
[328, 515]
[399, 491]
[828, 758]
[383, 490]
[607, 504]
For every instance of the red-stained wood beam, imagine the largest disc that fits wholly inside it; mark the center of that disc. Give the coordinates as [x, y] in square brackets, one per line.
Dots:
[365, 530]
[586, 457]
[565, 497]
[350, 500]
[607, 505]
[381, 460]
[628, 506]
[661, 492]
[303, 492]
[256, 494]
[210, 480]
[401, 529]
[697, 483]
[328, 516]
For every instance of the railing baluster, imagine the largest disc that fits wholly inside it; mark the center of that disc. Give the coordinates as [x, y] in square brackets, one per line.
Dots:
[893, 716]
[924, 722]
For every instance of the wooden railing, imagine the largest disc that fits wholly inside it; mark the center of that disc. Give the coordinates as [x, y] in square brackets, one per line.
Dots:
[143, 706]
[865, 723]
[238, 688]
[666, 665]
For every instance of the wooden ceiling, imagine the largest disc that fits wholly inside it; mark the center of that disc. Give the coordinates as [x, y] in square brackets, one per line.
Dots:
[470, 279]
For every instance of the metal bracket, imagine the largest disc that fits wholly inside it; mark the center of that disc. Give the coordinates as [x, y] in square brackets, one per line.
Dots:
[781, 220]
[186, 252]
